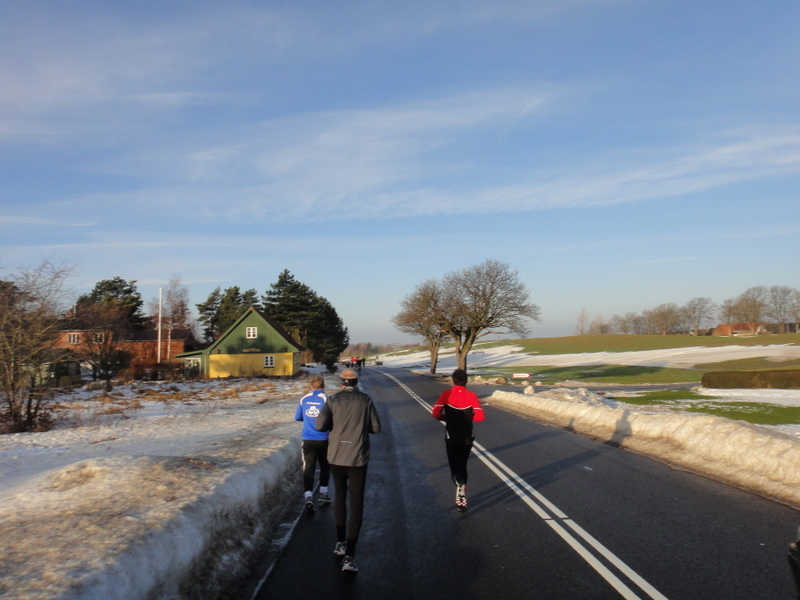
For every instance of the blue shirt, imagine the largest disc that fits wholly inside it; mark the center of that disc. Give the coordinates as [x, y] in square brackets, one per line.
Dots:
[308, 411]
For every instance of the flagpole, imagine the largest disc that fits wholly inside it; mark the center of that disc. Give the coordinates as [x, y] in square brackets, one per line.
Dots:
[159, 325]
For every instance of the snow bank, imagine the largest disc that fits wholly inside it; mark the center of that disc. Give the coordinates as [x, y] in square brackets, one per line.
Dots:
[155, 506]
[754, 458]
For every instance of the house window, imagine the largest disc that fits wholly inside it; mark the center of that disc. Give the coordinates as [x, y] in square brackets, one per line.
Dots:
[269, 361]
[251, 333]
[99, 338]
[73, 338]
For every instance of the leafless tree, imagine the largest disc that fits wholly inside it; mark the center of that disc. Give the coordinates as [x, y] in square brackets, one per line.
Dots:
[483, 299]
[421, 314]
[780, 301]
[105, 344]
[664, 318]
[727, 311]
[31, 303]
[583, 319]
[750, 307]
[698, 312]
[598, 326]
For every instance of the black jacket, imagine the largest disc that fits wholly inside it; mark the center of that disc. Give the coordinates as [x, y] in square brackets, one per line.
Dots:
[350, 417]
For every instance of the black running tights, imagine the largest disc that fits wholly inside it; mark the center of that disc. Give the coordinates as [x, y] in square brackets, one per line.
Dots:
[349, 481]
[315, 451]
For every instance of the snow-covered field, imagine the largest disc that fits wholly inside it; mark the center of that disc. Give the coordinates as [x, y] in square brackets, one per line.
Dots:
[164, 489]
[513, 356]
[138, 495]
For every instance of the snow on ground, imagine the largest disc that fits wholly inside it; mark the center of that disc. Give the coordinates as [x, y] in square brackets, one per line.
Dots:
[514, 356]
[137, 495]
[163, 490]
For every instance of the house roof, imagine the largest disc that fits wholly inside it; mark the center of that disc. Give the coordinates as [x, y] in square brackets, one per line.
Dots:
[246, 314]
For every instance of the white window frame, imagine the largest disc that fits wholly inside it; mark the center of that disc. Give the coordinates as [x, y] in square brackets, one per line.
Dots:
[73, 338]
[250, 333]
[269, 361]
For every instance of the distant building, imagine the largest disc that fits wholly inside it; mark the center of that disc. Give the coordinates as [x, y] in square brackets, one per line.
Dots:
[738, 329]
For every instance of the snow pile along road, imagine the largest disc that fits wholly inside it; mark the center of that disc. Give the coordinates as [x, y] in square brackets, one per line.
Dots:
[170, 502]
[751, 457]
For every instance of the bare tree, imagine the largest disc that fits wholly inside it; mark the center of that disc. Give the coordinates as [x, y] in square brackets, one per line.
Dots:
[583, 319]
[31, 303]
[421, 315]
[664, 318]
[174, 311]
[625, 324]
[698, 311]
[598, 325]
[483, 299]
[105, 340]
[780, 300]
[750, 307]
[727, 311]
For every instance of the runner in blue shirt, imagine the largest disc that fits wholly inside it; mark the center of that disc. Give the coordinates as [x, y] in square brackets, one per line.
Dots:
[315, 443]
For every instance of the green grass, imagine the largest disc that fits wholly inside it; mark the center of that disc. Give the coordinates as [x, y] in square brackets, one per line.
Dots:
[752, 412]
[757, 413]
[749, 364]
[579, 344]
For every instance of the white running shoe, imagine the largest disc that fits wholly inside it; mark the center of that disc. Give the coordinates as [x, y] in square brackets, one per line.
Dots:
[349, 564]
[340, 549]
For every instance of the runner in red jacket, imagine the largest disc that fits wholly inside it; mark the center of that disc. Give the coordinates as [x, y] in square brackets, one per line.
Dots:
[458, 408]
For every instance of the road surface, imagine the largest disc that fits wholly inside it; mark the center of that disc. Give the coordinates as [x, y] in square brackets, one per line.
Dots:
[552, 515]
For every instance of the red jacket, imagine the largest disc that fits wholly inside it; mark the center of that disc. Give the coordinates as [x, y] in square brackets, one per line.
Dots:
[458, 408]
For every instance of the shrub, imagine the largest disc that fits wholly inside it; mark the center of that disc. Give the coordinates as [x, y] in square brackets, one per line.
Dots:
[774, 378]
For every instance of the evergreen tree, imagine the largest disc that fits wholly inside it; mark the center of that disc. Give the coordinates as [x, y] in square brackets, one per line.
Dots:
[310, 318]
[221, 309]
[118, 294]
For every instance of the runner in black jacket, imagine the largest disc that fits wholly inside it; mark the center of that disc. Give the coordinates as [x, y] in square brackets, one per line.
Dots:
[349, 416]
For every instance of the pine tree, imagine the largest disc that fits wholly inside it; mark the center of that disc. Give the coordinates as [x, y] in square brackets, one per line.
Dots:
[309, 317]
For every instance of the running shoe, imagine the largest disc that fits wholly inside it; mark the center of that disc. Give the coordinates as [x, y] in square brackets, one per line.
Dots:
[349, 564]
[324, 498]
[310, 504]
[340, 549]
[461, 497]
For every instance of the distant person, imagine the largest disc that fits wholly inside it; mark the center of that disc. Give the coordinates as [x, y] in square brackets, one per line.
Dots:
[458, 408]
[315, 443]
[350, 416]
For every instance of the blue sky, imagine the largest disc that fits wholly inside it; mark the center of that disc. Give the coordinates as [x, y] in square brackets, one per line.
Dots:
[618, 154]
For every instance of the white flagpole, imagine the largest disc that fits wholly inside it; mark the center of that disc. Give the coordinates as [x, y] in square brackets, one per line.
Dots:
[159, 325]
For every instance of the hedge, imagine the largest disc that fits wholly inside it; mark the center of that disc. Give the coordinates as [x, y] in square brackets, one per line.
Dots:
[775, 378]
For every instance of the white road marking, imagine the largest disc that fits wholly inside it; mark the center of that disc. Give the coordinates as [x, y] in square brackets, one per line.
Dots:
[557, 520]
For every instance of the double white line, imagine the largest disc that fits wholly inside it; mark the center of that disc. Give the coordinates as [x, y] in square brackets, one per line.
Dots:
[572, 533]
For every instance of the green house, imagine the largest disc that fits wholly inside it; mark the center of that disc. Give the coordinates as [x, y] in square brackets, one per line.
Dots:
[253, 346]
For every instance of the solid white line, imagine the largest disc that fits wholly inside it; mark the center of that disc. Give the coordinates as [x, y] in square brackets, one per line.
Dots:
[529, 495]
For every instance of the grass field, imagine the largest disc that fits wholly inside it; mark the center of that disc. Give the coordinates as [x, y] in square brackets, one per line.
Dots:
[580, 344]
[689, 401]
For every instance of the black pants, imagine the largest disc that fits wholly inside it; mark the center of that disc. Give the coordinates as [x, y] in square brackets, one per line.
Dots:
[349, 481]
[457, 457]
[315, 451]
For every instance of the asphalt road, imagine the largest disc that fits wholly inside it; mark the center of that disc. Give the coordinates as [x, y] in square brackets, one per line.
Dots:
[552, 515]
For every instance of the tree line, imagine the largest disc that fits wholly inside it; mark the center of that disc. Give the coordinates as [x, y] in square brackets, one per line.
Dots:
[773, 308]
[310, 318]
[36, 306]
[466, 305]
